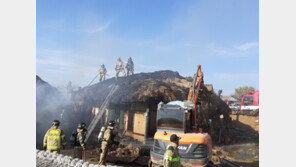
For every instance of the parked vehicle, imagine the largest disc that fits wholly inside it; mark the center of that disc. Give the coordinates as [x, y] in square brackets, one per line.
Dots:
[250, 103]
[234, 107]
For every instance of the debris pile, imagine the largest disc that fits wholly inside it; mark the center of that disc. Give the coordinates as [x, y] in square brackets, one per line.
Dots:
[123, 153]
[239, 153]
[218, 154]
[140, 88]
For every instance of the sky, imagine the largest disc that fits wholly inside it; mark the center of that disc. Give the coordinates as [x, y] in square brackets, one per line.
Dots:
[75, 37]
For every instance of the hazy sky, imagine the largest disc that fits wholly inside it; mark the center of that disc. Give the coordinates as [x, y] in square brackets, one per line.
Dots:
[75, 37]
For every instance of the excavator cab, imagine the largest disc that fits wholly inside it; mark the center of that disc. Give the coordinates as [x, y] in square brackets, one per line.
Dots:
[195, 148]
[174, 117]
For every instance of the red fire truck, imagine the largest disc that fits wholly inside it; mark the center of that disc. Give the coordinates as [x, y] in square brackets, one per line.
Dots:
[250, 102]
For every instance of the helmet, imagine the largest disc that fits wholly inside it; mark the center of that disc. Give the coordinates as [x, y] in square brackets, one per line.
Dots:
[118, 58]
[174, 138]
[56, 123]
[129, 57]
[83, 125]
[111, 123]
[79, 126]
[102, 65]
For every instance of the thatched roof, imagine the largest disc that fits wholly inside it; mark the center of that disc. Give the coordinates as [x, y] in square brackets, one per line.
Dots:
[143, 88]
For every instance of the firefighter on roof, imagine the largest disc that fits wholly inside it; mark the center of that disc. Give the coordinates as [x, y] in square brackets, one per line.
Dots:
[119, 67]
[102, 72]
[130, 66]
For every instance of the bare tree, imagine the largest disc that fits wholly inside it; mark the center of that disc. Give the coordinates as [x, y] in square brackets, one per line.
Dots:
[239, 92]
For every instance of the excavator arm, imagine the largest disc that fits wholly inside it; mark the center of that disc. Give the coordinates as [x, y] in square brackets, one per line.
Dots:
[197, 85]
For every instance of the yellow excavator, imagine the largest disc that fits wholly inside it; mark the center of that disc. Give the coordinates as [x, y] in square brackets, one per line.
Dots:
[181, 118]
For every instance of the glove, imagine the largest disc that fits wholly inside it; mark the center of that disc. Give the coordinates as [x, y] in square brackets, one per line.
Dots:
[44, 147]
[83, 147]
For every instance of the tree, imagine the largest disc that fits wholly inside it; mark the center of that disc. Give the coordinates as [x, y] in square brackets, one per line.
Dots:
[243, 90]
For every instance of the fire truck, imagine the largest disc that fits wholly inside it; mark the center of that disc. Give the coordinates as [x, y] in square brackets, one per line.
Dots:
[250, 103]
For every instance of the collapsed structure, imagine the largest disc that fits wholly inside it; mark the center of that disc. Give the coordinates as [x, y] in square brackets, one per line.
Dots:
[134, 105]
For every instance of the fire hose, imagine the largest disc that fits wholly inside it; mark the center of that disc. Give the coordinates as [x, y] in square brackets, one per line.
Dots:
[93, 79]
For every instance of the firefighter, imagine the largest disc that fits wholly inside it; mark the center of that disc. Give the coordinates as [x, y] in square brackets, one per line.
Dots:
[106, 142]
[83, 125]
[171, 156]
[119, 67]
[102, 72]
[78, 140]
[130, 66]
[54, 139]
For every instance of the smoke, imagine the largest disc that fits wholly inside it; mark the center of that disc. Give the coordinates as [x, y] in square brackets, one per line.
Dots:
[70, 108]
[48, 107]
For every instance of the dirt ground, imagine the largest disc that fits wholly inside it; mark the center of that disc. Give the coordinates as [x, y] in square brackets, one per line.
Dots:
[244, 150]
[244, 147]
[245, 130]
[123, 156]
[246, 155]
[252, 121]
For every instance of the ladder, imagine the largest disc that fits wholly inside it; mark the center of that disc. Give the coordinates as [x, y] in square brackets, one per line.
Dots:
[103, 107]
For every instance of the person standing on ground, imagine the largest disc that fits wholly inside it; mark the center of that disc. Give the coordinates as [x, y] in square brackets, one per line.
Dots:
[54, 139]
[106, 142]
[129, 66]
[171, 156]
[78, 139]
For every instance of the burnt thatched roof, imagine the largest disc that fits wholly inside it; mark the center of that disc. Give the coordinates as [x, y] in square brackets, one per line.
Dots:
[144, 88]
[151, 88]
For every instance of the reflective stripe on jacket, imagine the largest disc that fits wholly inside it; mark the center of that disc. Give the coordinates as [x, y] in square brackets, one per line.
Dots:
[171, 156]
[54, 139]
[119, 65]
